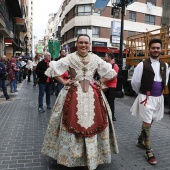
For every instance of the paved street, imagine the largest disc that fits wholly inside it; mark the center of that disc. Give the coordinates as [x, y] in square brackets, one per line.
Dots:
[22, 130]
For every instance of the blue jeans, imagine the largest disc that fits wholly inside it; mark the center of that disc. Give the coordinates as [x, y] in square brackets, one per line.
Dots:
[20, 77]
[34, 77]
[13, 85]
[4, 88]
[58, 88]
[44, 88]
[17, 76]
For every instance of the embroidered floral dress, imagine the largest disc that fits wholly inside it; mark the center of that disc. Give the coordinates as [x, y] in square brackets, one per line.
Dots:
[80, 130]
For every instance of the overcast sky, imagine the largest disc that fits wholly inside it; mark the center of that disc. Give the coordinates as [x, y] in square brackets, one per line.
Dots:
[41, 12]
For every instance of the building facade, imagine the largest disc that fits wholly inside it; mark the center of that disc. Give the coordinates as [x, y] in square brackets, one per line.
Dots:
[166, 13]
[78, 17]
[50, 30]
[14, 24]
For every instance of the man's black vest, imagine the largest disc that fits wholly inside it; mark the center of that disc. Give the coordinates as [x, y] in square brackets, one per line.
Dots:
[148, 76]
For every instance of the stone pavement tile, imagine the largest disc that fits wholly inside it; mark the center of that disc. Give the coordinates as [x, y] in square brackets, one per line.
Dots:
[127, 130]
[22, 130]
[3, 166]
[40, 168]
[12, 95]
[2, 100]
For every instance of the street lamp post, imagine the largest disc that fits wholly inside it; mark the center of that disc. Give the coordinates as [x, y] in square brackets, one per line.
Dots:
[26, 42]
[116, 6]
[121, 4]
[53, 36]
[53, 46]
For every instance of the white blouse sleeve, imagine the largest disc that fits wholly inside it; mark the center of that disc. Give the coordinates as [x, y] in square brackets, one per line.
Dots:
[105, 69]
[136, 78]
[57, 68]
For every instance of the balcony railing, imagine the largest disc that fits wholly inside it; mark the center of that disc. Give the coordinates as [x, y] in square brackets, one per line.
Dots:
[4, 10]
[16, 8]
[4, 17]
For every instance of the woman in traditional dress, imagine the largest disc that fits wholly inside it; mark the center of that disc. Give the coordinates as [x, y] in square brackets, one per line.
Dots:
[81, 131]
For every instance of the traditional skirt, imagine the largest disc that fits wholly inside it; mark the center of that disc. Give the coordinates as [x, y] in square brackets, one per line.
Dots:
[73, 150]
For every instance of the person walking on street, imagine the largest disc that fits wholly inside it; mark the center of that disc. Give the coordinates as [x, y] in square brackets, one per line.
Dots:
[3, 77]
[29, 69]
[111, 84]
[12, 69]
[20, 70]
[34, 65]
[24, 69]
[44, 82]
[149, 79]
[62, 53]
[80, 130]
[59, 86]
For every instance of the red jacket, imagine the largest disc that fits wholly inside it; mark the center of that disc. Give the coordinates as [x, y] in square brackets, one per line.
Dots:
[113, 82]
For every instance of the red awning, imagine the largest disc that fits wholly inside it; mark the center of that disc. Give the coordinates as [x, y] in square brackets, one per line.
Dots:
[10, 42]
[105, 49]
[102, 50]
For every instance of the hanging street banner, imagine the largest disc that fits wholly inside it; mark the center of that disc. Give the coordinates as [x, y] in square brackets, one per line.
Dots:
[39, 49]
[54, 48]
[115, 28]
[100, 5]
[115, 32]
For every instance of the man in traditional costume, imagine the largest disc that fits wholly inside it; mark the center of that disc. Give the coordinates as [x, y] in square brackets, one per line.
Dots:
[149, 79]
[81, 131]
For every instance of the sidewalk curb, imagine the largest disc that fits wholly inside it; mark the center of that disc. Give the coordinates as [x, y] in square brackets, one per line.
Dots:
[12, 95]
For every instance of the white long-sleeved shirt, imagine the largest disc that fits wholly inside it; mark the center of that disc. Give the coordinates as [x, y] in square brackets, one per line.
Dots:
[29, 65]
[137, 75]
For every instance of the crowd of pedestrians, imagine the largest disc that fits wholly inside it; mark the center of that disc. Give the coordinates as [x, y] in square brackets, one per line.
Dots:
[14, 70]
[81, 130]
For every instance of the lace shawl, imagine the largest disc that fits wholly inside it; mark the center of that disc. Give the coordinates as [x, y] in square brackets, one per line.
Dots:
[57, 68]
